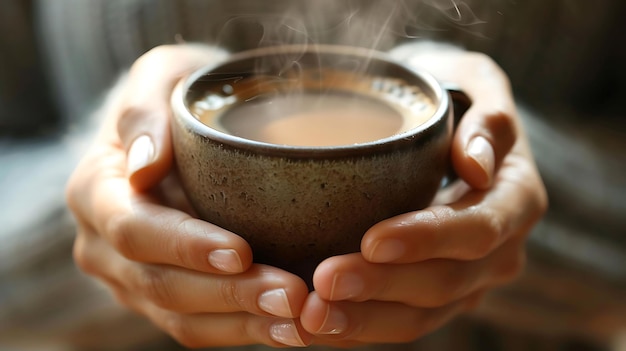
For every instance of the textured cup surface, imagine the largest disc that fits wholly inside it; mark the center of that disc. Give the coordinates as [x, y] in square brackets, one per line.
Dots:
[298, 205]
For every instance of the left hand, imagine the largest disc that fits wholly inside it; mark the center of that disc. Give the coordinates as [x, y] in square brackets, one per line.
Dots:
[418, 270]
[139, 237]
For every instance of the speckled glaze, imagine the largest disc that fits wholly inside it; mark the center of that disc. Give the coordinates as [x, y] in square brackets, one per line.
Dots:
[299, 205]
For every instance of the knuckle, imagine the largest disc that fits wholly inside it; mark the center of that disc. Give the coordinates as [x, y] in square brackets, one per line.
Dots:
[71, 192]
[536, 200]
[541, 201]
[122, 298]
[503, 121]
[511, 268]
[180, 328]
[253, 330]
[181, 247]
[494, 228]
[80, 179]
[119, 230]
[355, 330]
[81, 256]
[230, 294]
[482, 246]
[453, 286]
[180, 251]
[155, 286]
[132, 114]
[439, 214]
[431, 221]
[502, 125]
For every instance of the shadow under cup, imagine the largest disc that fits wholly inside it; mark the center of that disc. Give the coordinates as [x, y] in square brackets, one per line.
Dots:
[301, 149]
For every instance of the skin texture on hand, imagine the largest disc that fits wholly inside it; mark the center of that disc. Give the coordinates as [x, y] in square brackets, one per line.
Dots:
[137, 233]
[418, 270]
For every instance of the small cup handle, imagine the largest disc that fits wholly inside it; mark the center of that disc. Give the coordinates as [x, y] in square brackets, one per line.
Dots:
[460, 103]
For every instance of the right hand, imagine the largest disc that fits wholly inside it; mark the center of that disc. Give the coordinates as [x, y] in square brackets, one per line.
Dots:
[136, 232]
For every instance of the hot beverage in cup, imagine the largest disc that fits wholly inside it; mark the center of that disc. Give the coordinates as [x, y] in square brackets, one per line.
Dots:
[314, 108]
[301, 149]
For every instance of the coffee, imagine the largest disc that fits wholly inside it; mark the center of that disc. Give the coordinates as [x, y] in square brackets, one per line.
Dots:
[297, 206]
[313, 111]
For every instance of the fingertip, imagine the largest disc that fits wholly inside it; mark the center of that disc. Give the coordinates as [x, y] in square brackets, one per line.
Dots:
[323, 277]
[226, 260]
[373, 242]
[232, 258]
[481, 162]
[289, 333]
[385, 251]
[147, 165]
[140, 154]
[482, 141]
[473, 159]
[148, 177]
[145, 135]
[313, 313]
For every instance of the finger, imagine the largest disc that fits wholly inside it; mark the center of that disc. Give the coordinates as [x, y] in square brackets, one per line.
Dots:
[489, 129]
[468, 229]
[197, 330]
[225, 329]
[218, 329]
[374, 321]
[143, 126]
[142, 229]
[261, 290]
[432, 283]
[483, 138]
[145, 231]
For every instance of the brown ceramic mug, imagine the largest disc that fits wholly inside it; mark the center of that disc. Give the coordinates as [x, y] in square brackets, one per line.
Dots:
[301, 149]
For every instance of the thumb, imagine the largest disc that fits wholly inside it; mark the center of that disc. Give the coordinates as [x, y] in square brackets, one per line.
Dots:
[483, 138]
[488, 130]
[146, 137]
[144, 122]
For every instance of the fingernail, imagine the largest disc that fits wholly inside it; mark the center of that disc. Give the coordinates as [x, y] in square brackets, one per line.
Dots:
[387, 250]
[285, 332]
[226, 260]
[335, 322]
[346, 286]
[275, 302]
[482, 152]
[141, 154]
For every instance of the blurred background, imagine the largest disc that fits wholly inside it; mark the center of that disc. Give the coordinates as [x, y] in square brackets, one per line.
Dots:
[567, 63]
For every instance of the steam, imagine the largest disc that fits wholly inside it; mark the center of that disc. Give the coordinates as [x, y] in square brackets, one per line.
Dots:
[456, 11]
[374, 24]
[378, 25]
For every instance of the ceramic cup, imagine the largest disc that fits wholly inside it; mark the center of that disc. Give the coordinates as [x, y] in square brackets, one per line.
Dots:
[299, 204]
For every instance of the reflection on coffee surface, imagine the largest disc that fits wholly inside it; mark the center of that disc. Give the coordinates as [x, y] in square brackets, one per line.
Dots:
[339, 109]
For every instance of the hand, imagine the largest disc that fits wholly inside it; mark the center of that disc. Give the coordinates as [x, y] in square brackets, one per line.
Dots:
[136, 232]
[418, 270]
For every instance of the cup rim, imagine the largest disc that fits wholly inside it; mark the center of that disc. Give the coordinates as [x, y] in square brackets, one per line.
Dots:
[190, 122]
